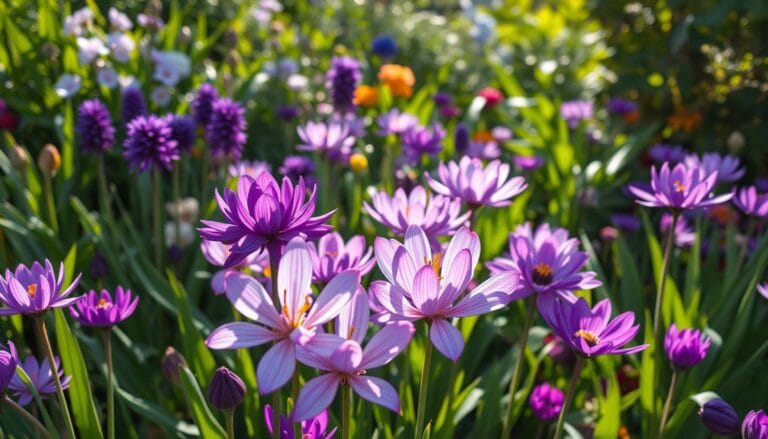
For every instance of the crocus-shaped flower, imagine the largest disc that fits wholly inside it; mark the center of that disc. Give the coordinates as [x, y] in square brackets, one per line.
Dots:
[346, 361]
[719, 417]
[7, 366]
[94, 127]
[312, 428]
[226, 390]
[685, 348]
[546, 402]
[332, 255]
[395, 122]
[755, 425]
[297, 320]
[751, 202]
[332, 139]
[216, 253]
[589, 332]
[682, 187]
[202, 104]
[437, 216]
[149, 144]
[263, 214]
[35, 289]
[423, 285]
[626, 222]
[726, 166]
[41, 376]
[225, 132]
[98, 309]
[419, 140]
[549, 261]
[475, 184]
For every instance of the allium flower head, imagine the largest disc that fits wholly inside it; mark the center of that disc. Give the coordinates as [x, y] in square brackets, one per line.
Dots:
[8, 361]
[475, 184]
[297, 167]
[261, 213]
[589, 332]
[226, 390]
[395, 122]
[685, 348]
[35, 289]
[343, 77]
[149, 144]
[419, 140]
[225, 132]
[182, 131]
[331, 138]
[133, 104]
[332, 256]
[41, 376]
[719, 417]
[682, 187]
[755, 425]
[384, 46]
[661, 153]
[312, 428]
[202, 104]
[575, 111]
[546, 402]
[94, 127]
[751, 202]
[725, 166]
[99, 309]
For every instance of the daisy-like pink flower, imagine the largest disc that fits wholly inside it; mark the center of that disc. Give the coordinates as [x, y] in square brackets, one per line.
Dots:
[99, 309]
[41, 376]
[422, 285]
[332, 255]
[475, 184]
[35, 289]
[749, 201]
[297, 320]
[216, 253]
[680, 188]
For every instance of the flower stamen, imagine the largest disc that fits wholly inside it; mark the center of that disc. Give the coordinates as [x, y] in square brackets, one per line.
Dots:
[542, 274]
[679, 187]
[31, 290]
[590, 337]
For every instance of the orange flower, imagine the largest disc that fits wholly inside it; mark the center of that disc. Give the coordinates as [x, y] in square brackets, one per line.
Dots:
[483, 136]
[366, 96]
[684, 119]
[632, 117]
[399, 79]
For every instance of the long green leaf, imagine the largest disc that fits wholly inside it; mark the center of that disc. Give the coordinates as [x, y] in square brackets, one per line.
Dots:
[200, 357]
[206, 422]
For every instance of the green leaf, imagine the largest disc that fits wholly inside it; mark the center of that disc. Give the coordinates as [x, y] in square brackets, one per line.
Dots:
[610, 403]
[157, 414]
[46, 417]
[206, 422]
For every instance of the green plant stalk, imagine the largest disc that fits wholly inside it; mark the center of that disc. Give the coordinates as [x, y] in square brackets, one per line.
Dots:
[49, 202]
[569, 396]
[229, 415]
[156, 220]
[518, 370]
[663, 279]
[31, 420]
[110, 384]
[176, 200]
[276, 414]
[423, 385]
[106, 206]
[295, 388]
[668, 403]
[346, 412]
[54, 371]
[204, 172]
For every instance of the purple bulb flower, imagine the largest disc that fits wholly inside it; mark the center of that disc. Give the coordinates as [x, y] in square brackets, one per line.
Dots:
[626, 222]
[332, 256]
[225, 132]
[546, 402]
[226, 390]
[395, 122]
[751, 202]
[726, 167]
[575, 111]
[685, 348]
[755, 425]
[475, 184]
[312, 428]
[719, 417]
[41, 376]
[343, 77]
[35, 289]
[149, 144]
[98, 309]
[442, 99]
[134, 104]
[420, 140]
[94, 127]
[331, 139]
[661, 153]
[7, 365]
[182, 131]
[682, 187]
[202, 104]
[621, 106]
[296, 167]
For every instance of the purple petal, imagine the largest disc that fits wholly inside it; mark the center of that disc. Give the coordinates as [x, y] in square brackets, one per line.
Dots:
[388, 343]
[333, 298]
[250, 299]
[376, 391]
[276, 367]
[294, 277]
[239, 335]
[316, 395]
[446, 338]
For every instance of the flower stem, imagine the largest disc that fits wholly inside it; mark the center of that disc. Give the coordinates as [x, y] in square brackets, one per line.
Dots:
[518, 370]
[177, 201]
[569, 396]
[54, 371]
[663, 279]
[276, 414]
[423, 385]
[156, 226]
[49, 201]
[106, 206]
[346, 411]
[229, 415]
[110, 384]
[668, 403]
[31, 420]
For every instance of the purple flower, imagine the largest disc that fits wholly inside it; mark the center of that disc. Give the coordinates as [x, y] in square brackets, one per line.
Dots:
[751, 203]
[226, 390]
[475, 184]
[297, 322]
[528, 163]
[763, 289]
[621, 106]
[438, 216]
[449, 111]
[755, 425]
[575, 111]
[726, 167]
[296, 167]
[501, 133]
[149, 144]
[288, 112]
[395, 122]
[312, 428]
[262, 214]
[41, 376]
[661, 153]
[626, 222]
[484, 150]
[461, 139]
[355, 125]
[225, 132]
[589, 332]
[134, 104]
[98, 309]
[94, 127]
[7, 365]
[719, 417]
[331, 139]
[331, 256]
[202, 104]
[343, 77]
[182, 131]
[546, 402]
[419, 140]
[685, 348]
[682, 187]
[245, 167]
[421, 285]
[547, 260]
[442, 99]
[216, 253]
[346, 361]
[35, 289]
[685, 236]
[384, 46]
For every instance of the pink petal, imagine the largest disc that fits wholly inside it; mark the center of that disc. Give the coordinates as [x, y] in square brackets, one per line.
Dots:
[446, 338]
[489, 296]
[352, 322]
[347, 357]
[239, 335]
[417, 244]
[333, 298]
[387, 344]
[316, 395]
[251, 299]
[294, 276]
[393, 299]
[377, 391]
[317, 352]
[276, 367]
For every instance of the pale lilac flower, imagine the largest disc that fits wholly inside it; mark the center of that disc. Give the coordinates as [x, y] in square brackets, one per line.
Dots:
[501, 133]
[763, 289]
[575, 111]
[332, 255]
[150, 22]
[245, 167]
[725, 166]
[257, 263]
[73, 24]
[297, 82]
[331, 139]
[88, 49]
[685, 235]
[121, 45]
[682, 187]
[107, 77]
[170, 67]
[751, 202]
[475, 184]
[67, 85]
[41, 376]
[118, 21]
[395, 122]
[484, 150]
[528, 163]
[160, 96]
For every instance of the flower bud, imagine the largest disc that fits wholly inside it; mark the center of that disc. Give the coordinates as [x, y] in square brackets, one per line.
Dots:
[98, 268]
[171, 361]
[546, 402]
[755, 425]
[49, 160]
[18, 157]
[226, 390]
[358, 162]
[685, 348]
[736, 141]
[719, 417]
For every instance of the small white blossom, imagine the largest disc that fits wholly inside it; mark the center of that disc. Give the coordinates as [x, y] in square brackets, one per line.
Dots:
[107, 76]
[119, 21]
[88, 49]
[67, 86]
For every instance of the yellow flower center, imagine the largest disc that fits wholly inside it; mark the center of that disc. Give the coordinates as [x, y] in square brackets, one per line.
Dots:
[590, 337]
[542, 273]
[679, 187]
[104, 304]
[267, 271]
[436, 262]
[31, 290]
[300, 312]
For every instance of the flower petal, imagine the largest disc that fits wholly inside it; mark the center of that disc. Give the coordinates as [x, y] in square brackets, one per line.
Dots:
[250, 298]
[294, 276]
[333, 298]
[446, 338]
[238, 335]
[276, 367]
[387, 344]
[377, 391]
[316, 395]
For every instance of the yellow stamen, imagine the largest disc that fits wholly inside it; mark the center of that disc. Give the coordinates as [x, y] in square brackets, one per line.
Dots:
[542, 273]
[351, 330]
[31, 290]
[590, 337]
[104, 304]
[678, 186]
[267, 271]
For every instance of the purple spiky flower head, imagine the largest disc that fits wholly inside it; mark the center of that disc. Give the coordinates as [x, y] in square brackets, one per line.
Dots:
[35, 290]
[421, 140]
[225, 132]
[149, 144]
[202, 104]
[134, 104]
[182, 131]
[94, 127]
[343, 77]
[685, 347]
[99, 309]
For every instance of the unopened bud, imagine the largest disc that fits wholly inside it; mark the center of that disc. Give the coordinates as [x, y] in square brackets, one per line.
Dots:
[226, 390]
[171, 361]
[18, 157]
[49, 160]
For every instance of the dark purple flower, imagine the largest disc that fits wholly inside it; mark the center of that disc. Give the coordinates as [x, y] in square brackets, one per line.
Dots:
[182, 131]
[170, 363]
[484, 150]
[384, 46]
[528, 163]
[575, 111]
[331, 139]
[442, 99]
[685, 348]
[98, 268]
[41, 376]
[395, 122]
[682, 187]
[225, 132]
[98, 309]
[332, 255]
[419, 140]
[719, 417]
[461, 139]
[134, 104]
[626, 222]
[262, 214]
[342, 80]
[751, 202]
[546, 402]
[661, 153]
[94, 127]
[35, 289]
[149, 144]
[755, 425]
[476, 184]
[226, 390]
[726, 167]
[299, 166]
[202, 104]
[7, 365]
[312, 428]
[621, 106]
[449, 111]
[288, 112]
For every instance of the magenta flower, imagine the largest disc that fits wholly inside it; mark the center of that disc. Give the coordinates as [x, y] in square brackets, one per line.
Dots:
[419, 140]
[763, 289]
[475, 184]
[216, 253]
[686, 347]
[751, 202]
[41, 376]
[682, 187]
[7, 365]
[261, 214]
[726, 166]
[546, 401]
[575, 111]
[312, 428]
[297, 321]
[755, 425]
[528, 163]
[331, 256]
[98, 309]
[395, 122]
[438, 216]
[34, 290]
[331, 139]
[423, 285]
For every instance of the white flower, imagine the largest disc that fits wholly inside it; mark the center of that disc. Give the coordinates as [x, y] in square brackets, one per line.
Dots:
[161, 96]
[185, 210]
[127, 82]
[119, 21]
[67, 85]
[73, 24]
[121, 45]
[170, 67]
[186, 234]
[107, 76]
[297, 82]
[89, 49]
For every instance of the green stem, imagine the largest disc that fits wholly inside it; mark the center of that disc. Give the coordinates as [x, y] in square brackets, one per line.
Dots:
[346, 412]
[106, 206]
[668, 403]
[156, 219]
[663, 279]
[49, 201]
[54, 371]
[229, 415]
[569, 396]
[423, 385]
[177, 200]
[518, 370]
[110, 385]
[276, 414]
[31, 420]
[204, 173]
[295, 388]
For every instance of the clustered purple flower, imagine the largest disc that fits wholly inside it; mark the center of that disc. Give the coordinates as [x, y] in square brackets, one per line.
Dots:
[134, 105]
[182, 131]
[94, 127]
[149, 144]
[202, 104]
[342, 79]
[225, 131]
